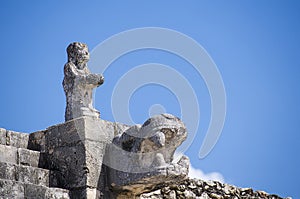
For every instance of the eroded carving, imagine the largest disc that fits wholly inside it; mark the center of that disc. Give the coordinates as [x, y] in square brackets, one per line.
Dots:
[79, 83]
[146, 152]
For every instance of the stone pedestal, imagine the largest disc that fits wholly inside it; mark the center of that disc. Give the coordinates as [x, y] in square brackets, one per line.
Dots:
[75, 150]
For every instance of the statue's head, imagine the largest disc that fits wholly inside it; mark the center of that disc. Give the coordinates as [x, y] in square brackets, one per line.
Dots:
[78, 54]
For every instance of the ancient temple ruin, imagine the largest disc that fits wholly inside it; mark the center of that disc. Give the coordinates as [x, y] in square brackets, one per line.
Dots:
[87, 157]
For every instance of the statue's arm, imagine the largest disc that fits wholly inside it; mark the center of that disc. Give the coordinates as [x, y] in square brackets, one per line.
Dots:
[95, 79]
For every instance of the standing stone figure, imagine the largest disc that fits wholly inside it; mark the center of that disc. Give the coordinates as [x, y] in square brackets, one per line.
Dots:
[79, 83]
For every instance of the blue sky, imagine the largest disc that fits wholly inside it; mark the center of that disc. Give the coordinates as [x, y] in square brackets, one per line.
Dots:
[255, 45]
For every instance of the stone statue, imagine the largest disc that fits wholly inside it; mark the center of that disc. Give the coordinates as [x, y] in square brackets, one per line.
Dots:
[142, 156]
[79, 83]
[156, 140]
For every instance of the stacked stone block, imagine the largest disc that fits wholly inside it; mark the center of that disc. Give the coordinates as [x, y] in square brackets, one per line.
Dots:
[21, 169]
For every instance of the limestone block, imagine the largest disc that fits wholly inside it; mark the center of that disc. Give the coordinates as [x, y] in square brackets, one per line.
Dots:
[7, 171]
[77, 130]
[8, 154]
[36, 141]
[28, 157]
[94, 155]
[16, 139]
[11, 189]
[99, 130]
[33, 191]
[41, 176]
[2, 136]
[63, 135]
[88, 193]
[32, 175]
[56, 193]
[76, 149]
[70, 162]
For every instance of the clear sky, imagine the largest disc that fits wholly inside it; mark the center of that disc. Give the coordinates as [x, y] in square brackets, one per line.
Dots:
[255, 45]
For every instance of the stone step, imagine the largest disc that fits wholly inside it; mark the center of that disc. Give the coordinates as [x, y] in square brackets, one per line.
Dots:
[12, 138]
[33, 141]
[20, 156]
[26, 174]
[10, 189]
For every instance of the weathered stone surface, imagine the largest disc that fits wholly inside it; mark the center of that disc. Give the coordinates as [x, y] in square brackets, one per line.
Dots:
[120, 128]
[7, 171]
[88, 193]
[56, 193]
[70, 164]
[16, 139]
[199, 189]
[75, 149]
[77, 130]
[28, 157]
[41, 192]
[94, 156]
[11, 189]
[79, 83]
[153, 144]
[66, 134]
[17, 190]
[33, 191]
[2, 136]
[141, 157]
[32, 175]
[24, 174]
[8, 154]
[36, 141]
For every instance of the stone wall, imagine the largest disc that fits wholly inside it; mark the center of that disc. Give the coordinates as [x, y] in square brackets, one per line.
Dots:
[21, 169]
[65, 161]
[199, 189]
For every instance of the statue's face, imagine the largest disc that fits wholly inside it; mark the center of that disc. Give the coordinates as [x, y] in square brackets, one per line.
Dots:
[78, 53]
[83, 54]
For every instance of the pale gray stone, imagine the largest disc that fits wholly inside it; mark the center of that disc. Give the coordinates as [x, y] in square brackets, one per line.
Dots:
[152, 144]
[16, 139]
[11, 189]
[56, 193]
[32, 175]
[8, 154]
[76, 149]
[79, 83]
[28, 157]
[120, 128]
[2, 136]
[7, 171]
[204, 196]
[189, 194]
[94, 156]
[77, 130]
[141, 157]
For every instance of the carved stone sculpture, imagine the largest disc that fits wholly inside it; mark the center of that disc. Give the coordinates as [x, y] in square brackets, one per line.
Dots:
[79, 83]
[156, 140]
[142, 156]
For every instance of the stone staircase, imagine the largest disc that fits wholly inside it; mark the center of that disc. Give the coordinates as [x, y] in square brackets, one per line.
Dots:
[23, 172]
